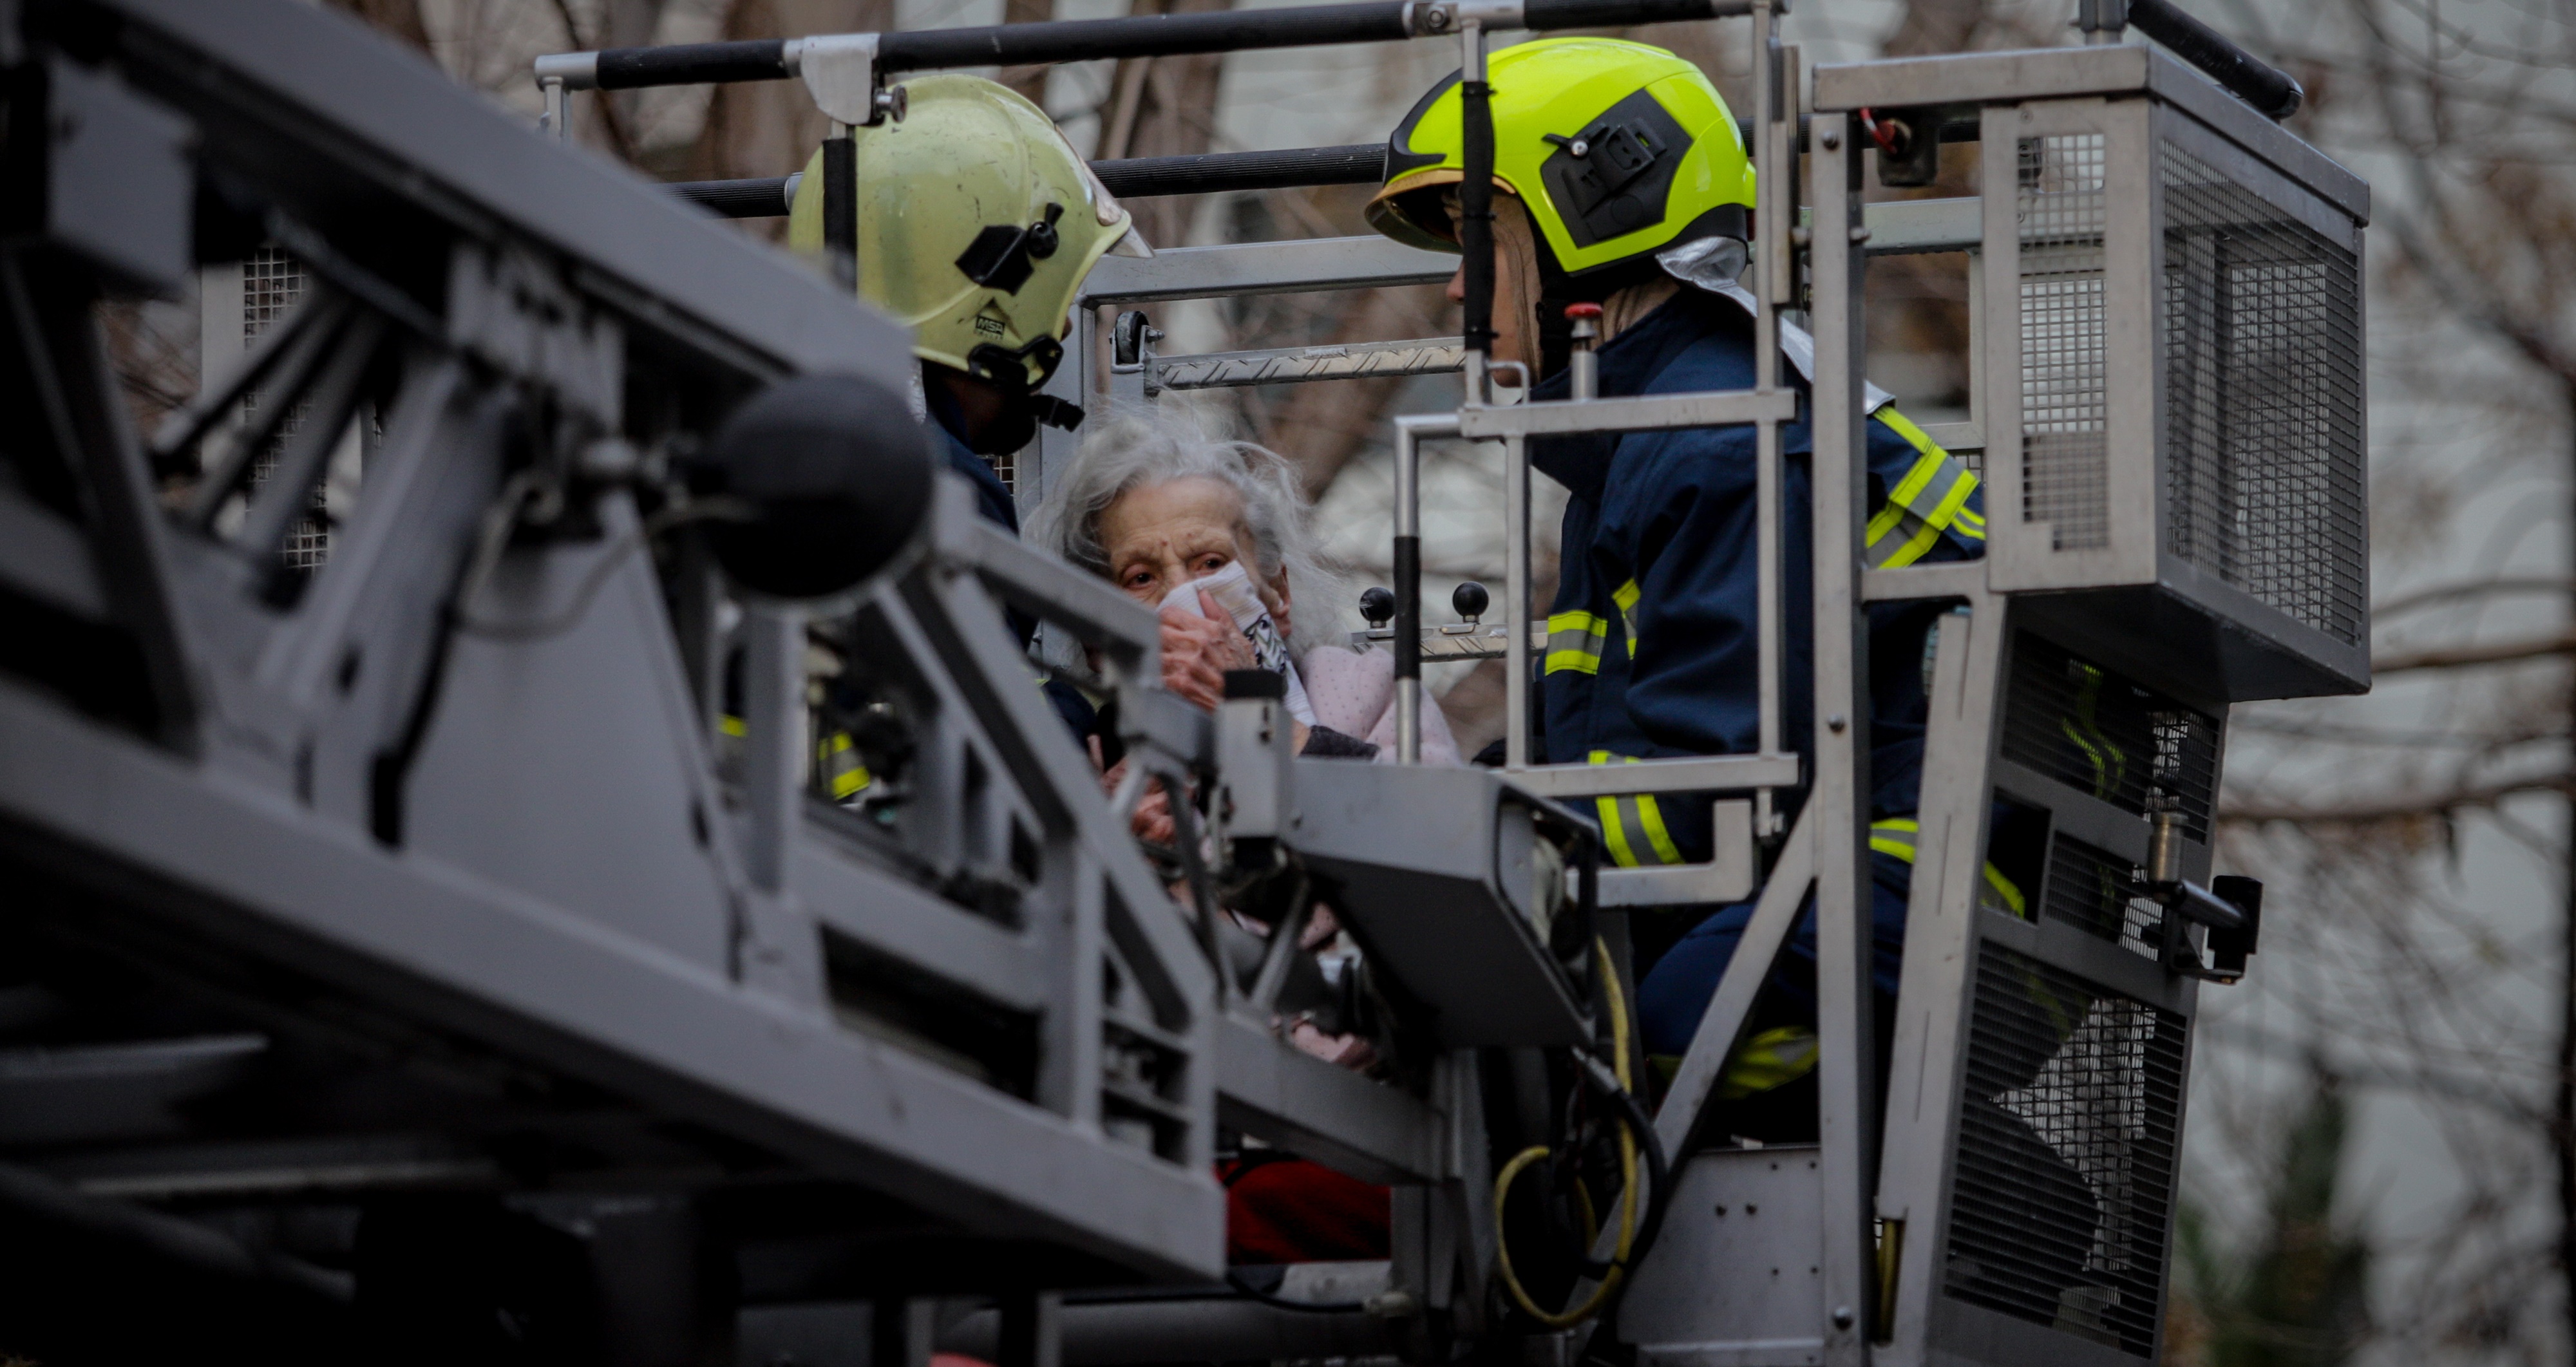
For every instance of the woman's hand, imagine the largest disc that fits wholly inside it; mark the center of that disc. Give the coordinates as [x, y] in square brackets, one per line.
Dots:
[1152, 822]
[1197, 651]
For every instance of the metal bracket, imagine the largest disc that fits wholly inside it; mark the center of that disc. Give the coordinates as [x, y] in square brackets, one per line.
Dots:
[840, 72]
[1730, 875]
[1430, 18]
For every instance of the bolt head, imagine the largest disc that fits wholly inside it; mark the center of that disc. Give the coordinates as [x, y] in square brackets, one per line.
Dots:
[1843, 1317]
[1832, 138]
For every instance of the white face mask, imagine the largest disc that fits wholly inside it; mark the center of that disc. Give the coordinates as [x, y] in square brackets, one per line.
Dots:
[1232, 589]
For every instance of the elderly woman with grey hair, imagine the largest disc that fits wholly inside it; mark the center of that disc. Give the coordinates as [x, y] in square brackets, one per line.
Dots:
[1166, 513]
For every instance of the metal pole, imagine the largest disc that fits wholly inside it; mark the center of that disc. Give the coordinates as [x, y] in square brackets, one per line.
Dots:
[1148, 35]
[774, 741]
[1838, 803]
[1408, 594]
[841, 205]
[1516, 589]
[1770, 265]
[1476, 204]
[1410, 432]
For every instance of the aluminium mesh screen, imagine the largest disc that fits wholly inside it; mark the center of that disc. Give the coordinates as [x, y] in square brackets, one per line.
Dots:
[2091, 889]
[272, 285]
[2262, 353]
[2061, 1199]
[2092, 730]
[2065, 412]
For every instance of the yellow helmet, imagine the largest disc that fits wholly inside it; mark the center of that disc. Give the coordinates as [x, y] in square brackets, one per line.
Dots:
[1617, 150]
[976, 225]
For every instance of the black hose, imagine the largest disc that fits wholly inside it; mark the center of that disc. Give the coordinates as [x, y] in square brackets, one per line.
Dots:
[1659, 1184]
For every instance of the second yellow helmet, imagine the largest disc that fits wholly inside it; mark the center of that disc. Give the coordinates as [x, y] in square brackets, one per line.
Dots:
[1616, 149]
[976, 224]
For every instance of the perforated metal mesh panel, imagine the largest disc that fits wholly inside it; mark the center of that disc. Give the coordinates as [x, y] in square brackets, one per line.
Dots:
[2064, 359]
[2262, 356]
[2063, 1188]
[2089, 888]
[2098, 733]
[272, 285]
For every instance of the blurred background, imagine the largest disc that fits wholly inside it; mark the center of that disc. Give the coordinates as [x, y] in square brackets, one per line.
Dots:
[2382, 1142]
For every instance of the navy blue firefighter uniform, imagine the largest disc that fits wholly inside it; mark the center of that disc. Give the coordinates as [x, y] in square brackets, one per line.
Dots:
[1653, 644]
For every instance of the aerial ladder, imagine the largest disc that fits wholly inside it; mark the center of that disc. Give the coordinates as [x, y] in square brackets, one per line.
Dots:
[428, 932]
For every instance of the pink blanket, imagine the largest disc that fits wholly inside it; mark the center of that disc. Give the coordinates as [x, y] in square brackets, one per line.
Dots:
[1354, 693]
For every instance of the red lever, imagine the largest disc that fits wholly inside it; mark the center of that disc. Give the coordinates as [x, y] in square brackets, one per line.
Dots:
[1581, 311]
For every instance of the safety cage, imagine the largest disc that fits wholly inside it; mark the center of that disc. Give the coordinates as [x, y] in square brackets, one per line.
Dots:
[2199, 479]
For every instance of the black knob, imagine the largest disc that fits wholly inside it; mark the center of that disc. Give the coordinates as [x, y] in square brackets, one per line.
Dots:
[835, 478]
[1470, 599]
[1378, 606]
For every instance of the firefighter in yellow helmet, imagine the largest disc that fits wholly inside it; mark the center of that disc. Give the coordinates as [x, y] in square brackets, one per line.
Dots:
[976, 224]
[1622, 190]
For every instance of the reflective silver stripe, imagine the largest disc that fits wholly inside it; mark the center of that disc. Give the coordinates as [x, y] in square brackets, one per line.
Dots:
[1575, 641]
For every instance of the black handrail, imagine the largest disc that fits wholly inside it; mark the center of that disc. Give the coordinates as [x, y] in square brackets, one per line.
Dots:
[1128, 178]
[1076, 40]
[761, 197]
[2273, 92]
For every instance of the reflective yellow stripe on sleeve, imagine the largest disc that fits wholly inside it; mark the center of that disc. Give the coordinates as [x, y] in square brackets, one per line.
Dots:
[1896, 836]
[1574, 642]
[1628, 818]
[2083, 726]
[1626, 596]
[1774, 1058]
[1931, 499]
[840, 761]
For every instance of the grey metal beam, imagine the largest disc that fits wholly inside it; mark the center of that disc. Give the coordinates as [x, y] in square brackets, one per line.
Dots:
[1719, 772]
[251, 68]
[1899, 227]
[45, 558]
[408, 931]
[1346, 1122]
[1210, 1327]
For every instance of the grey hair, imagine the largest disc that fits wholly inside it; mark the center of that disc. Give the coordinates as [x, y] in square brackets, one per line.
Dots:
[1132, 446]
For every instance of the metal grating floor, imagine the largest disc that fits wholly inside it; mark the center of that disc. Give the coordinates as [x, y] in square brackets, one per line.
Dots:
[2098, 733]
[2064, 1183]
[2262, 354]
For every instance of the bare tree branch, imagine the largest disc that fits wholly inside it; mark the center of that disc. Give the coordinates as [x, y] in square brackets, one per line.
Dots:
[2460, 657]
[2397, 809]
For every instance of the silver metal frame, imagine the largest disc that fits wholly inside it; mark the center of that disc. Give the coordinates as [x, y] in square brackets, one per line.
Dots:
[606, 889]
